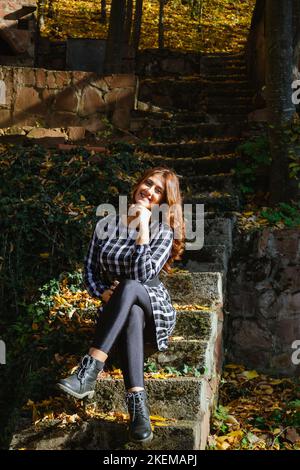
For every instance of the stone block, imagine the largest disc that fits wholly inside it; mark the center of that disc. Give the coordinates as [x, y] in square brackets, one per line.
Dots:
[81, 79]
[75, 133]
[41, 78]
[67, 100]
[121, 81]
[5, 118]
[194, 288]
[27, 100]
[121, 118]
[63, 79]
[91, 102]
[94, 123]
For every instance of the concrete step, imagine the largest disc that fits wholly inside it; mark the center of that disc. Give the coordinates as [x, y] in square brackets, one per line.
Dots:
[197, 149]
[99, 434]
[213, 182]
[176, 131]
[191, 84]
[203, 165]
[194, 288]
[222, 77]
[216, 108]
[223, 69]
[213, 258]
[165, 397]
[220, 202]
[191, 352]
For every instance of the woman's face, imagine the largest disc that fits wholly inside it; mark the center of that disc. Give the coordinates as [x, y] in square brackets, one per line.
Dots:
[151, 191]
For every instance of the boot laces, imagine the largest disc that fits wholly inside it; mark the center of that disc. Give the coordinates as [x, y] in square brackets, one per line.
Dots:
[86, 363]
[136, 404]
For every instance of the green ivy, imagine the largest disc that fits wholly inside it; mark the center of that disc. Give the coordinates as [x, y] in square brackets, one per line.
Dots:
[255, 156]
[287, 214]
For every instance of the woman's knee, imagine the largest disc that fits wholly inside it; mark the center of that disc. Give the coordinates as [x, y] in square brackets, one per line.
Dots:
[129, 284]
[136, 317]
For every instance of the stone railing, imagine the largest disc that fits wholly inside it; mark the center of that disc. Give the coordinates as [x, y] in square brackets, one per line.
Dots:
[48, 98]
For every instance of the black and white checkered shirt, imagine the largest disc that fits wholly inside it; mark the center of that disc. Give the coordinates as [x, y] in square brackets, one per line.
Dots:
[118, 255]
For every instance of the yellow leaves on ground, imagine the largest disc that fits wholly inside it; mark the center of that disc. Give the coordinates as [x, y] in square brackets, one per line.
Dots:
[224, 442]
[63, 412]
[191, 307]
[223, 26]
[256, 412]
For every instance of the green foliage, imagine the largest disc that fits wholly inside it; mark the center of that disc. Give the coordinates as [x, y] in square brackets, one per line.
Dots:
[184, 370]
[48, 201]
[256, 158]
[292, 133]
[285, 214]
[47, 211]
[220, 416]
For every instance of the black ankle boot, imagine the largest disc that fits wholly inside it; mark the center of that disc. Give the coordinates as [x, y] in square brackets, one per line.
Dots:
[83, 381]
[139, 427]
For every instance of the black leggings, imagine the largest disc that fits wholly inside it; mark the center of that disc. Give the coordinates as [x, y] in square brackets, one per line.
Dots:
[128, 318]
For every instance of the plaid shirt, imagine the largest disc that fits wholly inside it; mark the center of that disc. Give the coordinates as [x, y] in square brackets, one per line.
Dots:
[119, 256]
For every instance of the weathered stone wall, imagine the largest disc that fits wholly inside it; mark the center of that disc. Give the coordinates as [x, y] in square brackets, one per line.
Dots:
[264, 301]
[58, 99]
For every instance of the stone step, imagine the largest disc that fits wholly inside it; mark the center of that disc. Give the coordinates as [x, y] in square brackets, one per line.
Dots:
[222, 77]
[203, 165]
[213, 258]
[218, 108]
[165, 397]
[174, 131]
[231, 90]
[224, 118]
[224, 56]
[186, 96]
[218, 230]
[205, 147]
[194, 288]
[99, 434]
[234, 101]
[194, 83]
[192, 117]
[223, 69]
[214, 201]
[193, 324]
[213, 182]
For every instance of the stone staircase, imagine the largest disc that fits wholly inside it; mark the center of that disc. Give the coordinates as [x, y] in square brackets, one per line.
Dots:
[192, 123]
[185, 402]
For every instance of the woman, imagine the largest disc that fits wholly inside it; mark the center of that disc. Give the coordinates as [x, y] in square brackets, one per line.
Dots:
[122, 270]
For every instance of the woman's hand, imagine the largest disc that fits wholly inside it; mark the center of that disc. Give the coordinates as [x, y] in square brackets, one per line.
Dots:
[109, 292]
[142, 214]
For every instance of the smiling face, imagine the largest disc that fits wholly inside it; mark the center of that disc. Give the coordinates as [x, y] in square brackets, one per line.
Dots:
[151, 191]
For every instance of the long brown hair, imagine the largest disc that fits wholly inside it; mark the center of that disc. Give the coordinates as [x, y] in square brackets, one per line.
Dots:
[174, 217]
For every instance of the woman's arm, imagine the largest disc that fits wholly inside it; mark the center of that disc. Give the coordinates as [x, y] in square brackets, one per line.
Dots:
[148, 259]
[92, 279]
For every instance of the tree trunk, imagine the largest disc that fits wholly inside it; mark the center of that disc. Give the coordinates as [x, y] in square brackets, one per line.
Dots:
[161, 28]
[279, 93]
[137, 25]
[115, 38]
[103, 16]
[296, 41]
[128, 22]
